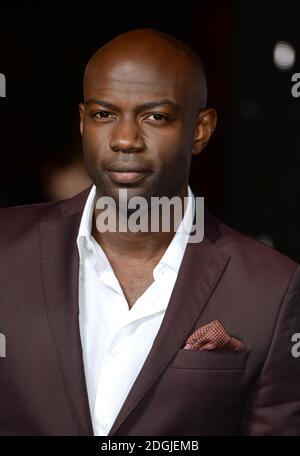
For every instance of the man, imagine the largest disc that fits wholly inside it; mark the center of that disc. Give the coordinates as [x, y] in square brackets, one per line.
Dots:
[143, 333]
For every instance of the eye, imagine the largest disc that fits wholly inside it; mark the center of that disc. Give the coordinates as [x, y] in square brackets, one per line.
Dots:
[157, 116]
[102, 115]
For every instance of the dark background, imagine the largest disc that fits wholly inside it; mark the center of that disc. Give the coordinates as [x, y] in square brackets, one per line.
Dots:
[248, 173]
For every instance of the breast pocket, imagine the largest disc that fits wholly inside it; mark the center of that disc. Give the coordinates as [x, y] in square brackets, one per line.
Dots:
[210, 360]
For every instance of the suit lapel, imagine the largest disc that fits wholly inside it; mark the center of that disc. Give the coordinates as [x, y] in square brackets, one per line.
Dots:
[199, 274]
[59, 266]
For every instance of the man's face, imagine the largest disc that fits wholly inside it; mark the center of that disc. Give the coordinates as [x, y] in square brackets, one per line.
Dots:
[138, 127]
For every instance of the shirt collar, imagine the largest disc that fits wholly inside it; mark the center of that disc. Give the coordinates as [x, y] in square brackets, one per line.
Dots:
[85, 228]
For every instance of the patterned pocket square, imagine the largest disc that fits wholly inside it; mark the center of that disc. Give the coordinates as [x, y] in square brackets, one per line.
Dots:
[213, 336]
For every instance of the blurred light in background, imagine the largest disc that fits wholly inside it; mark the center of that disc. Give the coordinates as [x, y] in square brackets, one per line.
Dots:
[65, 181]
[284, 55]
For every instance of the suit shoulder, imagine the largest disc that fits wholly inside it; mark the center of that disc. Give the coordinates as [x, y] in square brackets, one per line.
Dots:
[259, 257]
[43, 211]
[27, 212]
[17, 220]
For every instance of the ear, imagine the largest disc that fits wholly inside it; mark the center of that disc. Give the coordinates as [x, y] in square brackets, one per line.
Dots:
[81, 113]
[206, 123]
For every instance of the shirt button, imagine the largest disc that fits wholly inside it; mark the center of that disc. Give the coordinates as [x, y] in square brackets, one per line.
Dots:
[103, 425]
[114, 354]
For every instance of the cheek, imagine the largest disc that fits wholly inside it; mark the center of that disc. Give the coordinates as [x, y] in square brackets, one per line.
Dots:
[173, 153]
[94, 145]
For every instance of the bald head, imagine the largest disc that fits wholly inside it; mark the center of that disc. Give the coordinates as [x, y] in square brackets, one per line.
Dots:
[148, 55]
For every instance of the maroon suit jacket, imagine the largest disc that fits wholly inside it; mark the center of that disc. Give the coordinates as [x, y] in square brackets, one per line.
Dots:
[250, 288]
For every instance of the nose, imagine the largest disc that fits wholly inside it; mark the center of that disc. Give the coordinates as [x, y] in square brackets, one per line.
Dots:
[126, 137]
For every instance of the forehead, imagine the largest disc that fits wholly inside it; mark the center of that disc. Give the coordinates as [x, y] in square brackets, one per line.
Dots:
[132, 80]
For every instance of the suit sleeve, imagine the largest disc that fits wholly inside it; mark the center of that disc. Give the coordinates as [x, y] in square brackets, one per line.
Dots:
[273, 405]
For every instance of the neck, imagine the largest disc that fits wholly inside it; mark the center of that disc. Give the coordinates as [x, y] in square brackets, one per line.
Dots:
[147, 245]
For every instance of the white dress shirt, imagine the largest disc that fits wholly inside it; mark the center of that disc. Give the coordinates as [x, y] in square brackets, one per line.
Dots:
[116, 340]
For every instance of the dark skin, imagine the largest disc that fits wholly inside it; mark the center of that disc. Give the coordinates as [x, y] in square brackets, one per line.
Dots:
[144, 110]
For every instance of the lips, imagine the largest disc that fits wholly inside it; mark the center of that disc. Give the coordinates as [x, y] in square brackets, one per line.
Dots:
[126, 177]
[130, 175]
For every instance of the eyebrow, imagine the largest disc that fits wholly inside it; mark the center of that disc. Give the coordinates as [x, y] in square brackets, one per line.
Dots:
[143, 106]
